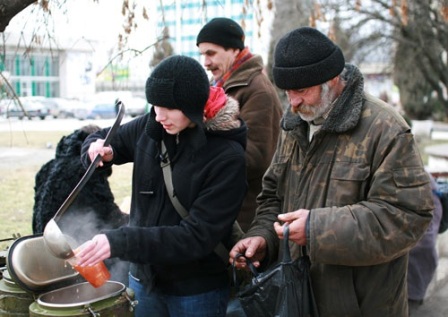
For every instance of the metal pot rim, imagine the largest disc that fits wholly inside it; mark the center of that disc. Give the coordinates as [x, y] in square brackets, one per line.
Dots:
[108, 290]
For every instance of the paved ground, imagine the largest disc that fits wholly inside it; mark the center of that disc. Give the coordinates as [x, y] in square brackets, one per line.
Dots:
[10, 158]
[436, 303]
[50, 124]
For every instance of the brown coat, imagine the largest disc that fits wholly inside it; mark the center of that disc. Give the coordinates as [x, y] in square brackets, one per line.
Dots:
[261, 109]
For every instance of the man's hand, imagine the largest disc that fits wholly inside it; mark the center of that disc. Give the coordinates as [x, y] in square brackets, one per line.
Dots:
[297, 225]
[253, 248]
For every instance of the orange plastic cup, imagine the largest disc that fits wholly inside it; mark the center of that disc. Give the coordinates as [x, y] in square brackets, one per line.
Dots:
[96, 275]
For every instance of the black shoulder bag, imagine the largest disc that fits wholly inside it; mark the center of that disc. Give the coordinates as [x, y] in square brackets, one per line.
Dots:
[220, 249]
[283, 290]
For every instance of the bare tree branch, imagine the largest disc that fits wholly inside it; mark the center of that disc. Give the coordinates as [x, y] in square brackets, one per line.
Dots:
[10, 8]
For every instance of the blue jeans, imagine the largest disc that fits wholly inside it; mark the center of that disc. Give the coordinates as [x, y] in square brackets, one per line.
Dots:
[155, 304]
[234, 308]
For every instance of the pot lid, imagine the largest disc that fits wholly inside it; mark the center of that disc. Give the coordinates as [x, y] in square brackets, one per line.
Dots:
[33, 267]
[80, 294]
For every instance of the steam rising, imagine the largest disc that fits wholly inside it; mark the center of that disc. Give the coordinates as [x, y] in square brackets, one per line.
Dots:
[82, 225]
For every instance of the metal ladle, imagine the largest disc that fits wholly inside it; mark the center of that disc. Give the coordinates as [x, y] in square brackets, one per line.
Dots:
[54, 238]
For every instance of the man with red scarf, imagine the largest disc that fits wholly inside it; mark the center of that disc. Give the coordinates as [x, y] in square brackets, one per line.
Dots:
[240, 74]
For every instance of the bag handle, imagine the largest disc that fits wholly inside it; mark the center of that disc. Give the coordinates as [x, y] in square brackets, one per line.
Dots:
[249, 262]
[253, 269]
[286, 251]
[251, 266]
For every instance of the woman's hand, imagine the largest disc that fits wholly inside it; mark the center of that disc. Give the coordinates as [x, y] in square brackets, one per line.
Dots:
[93, 251]
[97, 147]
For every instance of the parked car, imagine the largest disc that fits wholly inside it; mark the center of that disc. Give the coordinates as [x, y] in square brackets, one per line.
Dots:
[33, 109]
[71, 108]
[102, 110]
[136, 106]
[64, 108]
[4, 105]
[50, 103]
[83, 110]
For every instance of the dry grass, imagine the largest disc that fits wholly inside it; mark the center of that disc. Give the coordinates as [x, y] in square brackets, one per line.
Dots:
[26, 139]
[17, 183]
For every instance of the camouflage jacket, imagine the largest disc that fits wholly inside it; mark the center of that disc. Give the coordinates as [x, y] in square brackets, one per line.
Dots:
[369, 197]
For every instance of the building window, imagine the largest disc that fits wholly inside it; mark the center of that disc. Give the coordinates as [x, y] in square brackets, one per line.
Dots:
[33, 75]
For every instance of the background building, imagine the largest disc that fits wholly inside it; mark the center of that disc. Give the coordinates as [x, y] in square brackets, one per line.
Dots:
[185, 18]
[81, 57]
[66, 70]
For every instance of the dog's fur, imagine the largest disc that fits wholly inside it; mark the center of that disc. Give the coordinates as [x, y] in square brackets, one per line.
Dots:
[94, 208]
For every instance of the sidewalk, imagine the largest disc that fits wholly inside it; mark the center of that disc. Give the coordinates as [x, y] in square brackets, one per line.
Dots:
[436, 303]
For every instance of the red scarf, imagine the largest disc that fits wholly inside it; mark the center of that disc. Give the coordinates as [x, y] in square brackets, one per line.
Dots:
[243, 56]
[215, 102]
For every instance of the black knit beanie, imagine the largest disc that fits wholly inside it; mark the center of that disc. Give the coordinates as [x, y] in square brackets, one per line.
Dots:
[179, 82]
[223, 32]
[304, 58]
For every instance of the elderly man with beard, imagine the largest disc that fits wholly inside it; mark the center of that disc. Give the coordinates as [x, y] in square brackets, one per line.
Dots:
[348, 179]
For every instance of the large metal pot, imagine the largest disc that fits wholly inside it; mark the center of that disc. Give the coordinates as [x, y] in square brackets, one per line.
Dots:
[14, 301]
[111, 299]
[59, 289]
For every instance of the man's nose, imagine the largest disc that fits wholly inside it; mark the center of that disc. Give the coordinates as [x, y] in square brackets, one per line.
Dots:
[294, 98]
[207, 61]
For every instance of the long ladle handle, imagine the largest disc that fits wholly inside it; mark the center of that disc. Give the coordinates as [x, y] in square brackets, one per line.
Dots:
[68, 201]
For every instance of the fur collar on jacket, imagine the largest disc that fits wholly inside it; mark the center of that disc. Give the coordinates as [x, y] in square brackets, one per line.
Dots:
[226, 118]
[347, 109]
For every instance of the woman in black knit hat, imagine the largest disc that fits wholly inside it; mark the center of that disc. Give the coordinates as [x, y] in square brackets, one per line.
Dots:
[174, 270]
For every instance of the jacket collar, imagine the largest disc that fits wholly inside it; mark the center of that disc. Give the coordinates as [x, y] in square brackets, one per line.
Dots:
[346, 111]
[243, 75]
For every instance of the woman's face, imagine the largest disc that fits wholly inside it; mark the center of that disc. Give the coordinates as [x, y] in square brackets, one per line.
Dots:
[172, 120]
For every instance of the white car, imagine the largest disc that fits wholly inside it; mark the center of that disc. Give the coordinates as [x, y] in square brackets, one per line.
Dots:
[33, 109]
[136, 106]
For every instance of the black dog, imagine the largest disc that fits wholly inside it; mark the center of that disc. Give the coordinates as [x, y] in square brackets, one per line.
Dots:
[94, 208]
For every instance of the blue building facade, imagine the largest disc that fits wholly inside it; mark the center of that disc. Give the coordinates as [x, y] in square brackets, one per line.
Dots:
[185, 18]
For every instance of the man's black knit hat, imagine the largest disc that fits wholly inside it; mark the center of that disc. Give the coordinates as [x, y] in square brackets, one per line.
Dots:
[304, 58]
[179, 82]
[223, 32]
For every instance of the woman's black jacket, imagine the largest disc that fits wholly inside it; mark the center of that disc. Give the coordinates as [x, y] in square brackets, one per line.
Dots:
[175, 255]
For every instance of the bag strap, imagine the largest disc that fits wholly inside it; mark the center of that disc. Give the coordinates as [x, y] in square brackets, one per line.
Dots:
[165, 163]
[251, 266]
[286, 251]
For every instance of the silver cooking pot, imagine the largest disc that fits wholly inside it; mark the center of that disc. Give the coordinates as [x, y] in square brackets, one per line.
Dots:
[58, 289]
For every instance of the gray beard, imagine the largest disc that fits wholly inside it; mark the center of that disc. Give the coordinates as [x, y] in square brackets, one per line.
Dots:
[326, 103]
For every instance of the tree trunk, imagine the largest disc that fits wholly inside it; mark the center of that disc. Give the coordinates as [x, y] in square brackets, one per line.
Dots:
[289, 15]
[9, 9]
